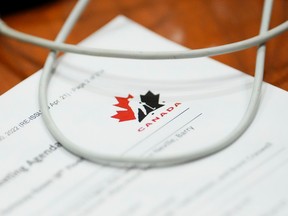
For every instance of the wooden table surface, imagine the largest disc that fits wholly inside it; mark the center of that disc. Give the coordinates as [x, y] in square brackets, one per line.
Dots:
[192, 23]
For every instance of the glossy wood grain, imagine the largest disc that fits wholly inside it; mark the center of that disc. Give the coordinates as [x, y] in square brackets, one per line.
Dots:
[192, 23]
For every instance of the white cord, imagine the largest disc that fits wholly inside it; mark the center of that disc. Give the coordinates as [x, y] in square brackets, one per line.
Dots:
[57, 45]
[152, 161]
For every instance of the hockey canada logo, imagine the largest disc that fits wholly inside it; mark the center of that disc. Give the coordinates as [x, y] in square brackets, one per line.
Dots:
[132, 109]
[143, 108]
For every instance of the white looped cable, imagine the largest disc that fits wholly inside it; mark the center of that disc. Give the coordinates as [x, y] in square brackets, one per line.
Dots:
[153, 161]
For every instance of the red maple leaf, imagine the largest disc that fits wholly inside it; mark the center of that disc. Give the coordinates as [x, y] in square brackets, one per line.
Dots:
[127, 114]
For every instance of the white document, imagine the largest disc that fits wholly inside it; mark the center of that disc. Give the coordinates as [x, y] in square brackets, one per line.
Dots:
[142, 108]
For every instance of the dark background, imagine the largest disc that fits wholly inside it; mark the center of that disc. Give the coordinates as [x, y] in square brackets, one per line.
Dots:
[192, 23]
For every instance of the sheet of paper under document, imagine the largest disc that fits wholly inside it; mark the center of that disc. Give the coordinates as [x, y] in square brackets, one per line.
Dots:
[142, 108]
